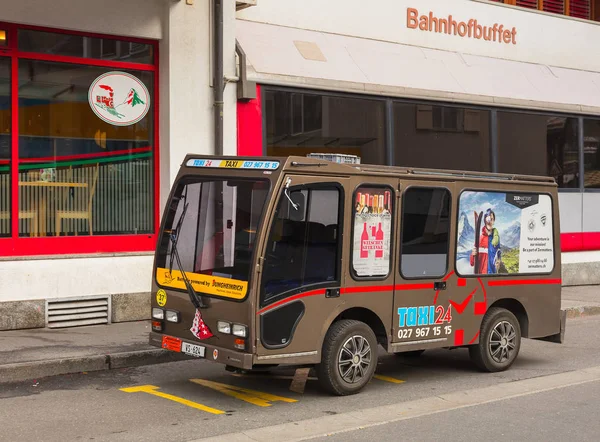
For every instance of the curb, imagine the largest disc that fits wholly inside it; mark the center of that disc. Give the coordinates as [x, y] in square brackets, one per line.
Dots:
[24, 371]
[580, 312]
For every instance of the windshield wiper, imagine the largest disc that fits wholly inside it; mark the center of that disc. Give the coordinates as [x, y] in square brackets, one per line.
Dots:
[174, 236]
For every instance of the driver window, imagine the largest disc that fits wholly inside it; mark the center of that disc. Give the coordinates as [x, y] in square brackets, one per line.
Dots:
[303, 243]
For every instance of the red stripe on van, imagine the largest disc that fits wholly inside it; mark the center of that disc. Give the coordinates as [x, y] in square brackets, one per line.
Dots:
[292, 298]
[524, 282]
[375, 288]
[348, 291]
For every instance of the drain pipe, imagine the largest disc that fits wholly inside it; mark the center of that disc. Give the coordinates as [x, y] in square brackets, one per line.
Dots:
[218, 79]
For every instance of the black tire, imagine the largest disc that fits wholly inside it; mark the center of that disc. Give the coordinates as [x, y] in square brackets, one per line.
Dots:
[410, 354]
[345, 334]
[498, 355]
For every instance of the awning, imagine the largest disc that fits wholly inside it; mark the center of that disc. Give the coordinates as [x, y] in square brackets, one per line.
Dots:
[280, 55]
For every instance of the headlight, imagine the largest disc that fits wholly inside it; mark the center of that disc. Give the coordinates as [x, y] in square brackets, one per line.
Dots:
[158, 313]
[224, 327]
[172, 316]
[240, 330]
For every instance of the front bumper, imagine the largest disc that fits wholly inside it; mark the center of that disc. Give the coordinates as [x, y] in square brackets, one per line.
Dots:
[212, 353]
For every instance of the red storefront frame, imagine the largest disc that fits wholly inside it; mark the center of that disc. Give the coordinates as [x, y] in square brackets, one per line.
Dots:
[250, 143]
[40, 246]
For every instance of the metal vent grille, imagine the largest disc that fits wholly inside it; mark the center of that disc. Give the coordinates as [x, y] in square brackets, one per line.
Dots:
[78, 312]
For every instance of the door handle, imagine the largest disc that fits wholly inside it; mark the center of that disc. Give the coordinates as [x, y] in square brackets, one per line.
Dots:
[332, 293]
[439, 285]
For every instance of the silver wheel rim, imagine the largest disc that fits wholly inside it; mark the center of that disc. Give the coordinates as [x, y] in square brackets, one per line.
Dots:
[502, 344]
[354, 359]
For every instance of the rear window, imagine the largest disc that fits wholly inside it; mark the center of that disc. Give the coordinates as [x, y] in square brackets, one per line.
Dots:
[215, 237]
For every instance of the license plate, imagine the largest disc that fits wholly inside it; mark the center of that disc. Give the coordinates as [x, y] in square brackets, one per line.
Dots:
[192, 349]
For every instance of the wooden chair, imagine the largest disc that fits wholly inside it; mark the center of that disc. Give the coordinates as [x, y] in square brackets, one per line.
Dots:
[25, 214]
[84, 213]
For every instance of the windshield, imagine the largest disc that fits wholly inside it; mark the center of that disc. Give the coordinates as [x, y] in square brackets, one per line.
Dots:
[214, 238]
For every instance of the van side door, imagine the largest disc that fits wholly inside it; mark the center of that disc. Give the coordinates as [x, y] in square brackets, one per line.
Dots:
[301, 271]
[432, 306]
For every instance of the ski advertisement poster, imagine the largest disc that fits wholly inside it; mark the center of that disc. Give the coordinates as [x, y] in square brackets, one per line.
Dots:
[504, 233]
[372, 231]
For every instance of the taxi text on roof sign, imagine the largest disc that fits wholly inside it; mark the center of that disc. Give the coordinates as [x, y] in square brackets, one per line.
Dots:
[234, 164]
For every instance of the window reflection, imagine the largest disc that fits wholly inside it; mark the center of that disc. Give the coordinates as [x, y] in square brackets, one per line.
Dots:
[5, 134]
[441, 137]
[57, 43]
[539, 145]
[79, 175]
[299, 124]
[591, 154]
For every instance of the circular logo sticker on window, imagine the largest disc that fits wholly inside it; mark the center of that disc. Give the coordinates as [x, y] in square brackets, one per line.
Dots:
[119, 98]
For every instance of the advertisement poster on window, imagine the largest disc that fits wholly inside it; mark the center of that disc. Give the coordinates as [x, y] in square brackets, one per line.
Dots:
[372, 231]
[504, 233]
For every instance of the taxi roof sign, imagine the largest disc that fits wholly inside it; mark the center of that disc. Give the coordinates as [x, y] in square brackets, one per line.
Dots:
[234, 164]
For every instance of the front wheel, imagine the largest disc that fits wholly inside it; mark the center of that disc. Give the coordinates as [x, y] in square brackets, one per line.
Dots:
[349, 357]
[499, 342]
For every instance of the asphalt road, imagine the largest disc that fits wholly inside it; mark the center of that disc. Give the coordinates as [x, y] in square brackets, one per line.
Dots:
[569, 413]
[196, 399]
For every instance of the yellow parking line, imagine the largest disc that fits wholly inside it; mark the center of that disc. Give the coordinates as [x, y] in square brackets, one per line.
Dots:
[251, 396]
[388, 379]
[151, 389]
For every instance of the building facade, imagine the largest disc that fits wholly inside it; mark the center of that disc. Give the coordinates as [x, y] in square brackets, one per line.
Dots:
[100, 101]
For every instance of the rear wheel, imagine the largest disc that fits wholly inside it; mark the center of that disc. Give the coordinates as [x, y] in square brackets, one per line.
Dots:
[499, 342]
[349, 357]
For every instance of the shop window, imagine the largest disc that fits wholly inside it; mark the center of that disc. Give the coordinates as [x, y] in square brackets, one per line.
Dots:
[591, 153]
[5, 146]
[56, 43]
[425, 232]
[83, 169]
[536, 144]
[303, 244]
[444, 137]
[2, 37]
[299, 124]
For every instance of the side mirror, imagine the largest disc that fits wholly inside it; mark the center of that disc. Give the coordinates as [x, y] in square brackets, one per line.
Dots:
[297, 212]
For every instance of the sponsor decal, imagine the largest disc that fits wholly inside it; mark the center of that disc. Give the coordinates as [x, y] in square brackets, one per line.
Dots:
[206, 284]
[504, 233]
[372, 232]
[119, 98]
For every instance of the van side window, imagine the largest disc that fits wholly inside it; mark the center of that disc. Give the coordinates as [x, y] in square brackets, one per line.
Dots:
[302, 250]
[425, 232]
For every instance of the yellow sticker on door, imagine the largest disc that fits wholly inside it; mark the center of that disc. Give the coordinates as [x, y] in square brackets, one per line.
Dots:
[161, 297]
[208, 284]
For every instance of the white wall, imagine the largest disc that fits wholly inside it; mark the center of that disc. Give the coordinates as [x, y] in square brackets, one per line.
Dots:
[541, 38]
[61, 278]
[133, 18]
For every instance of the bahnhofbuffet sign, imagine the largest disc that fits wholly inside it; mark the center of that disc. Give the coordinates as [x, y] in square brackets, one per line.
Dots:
[467, 28]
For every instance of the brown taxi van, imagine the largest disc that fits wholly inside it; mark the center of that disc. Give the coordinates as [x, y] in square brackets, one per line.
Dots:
[317, 261]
